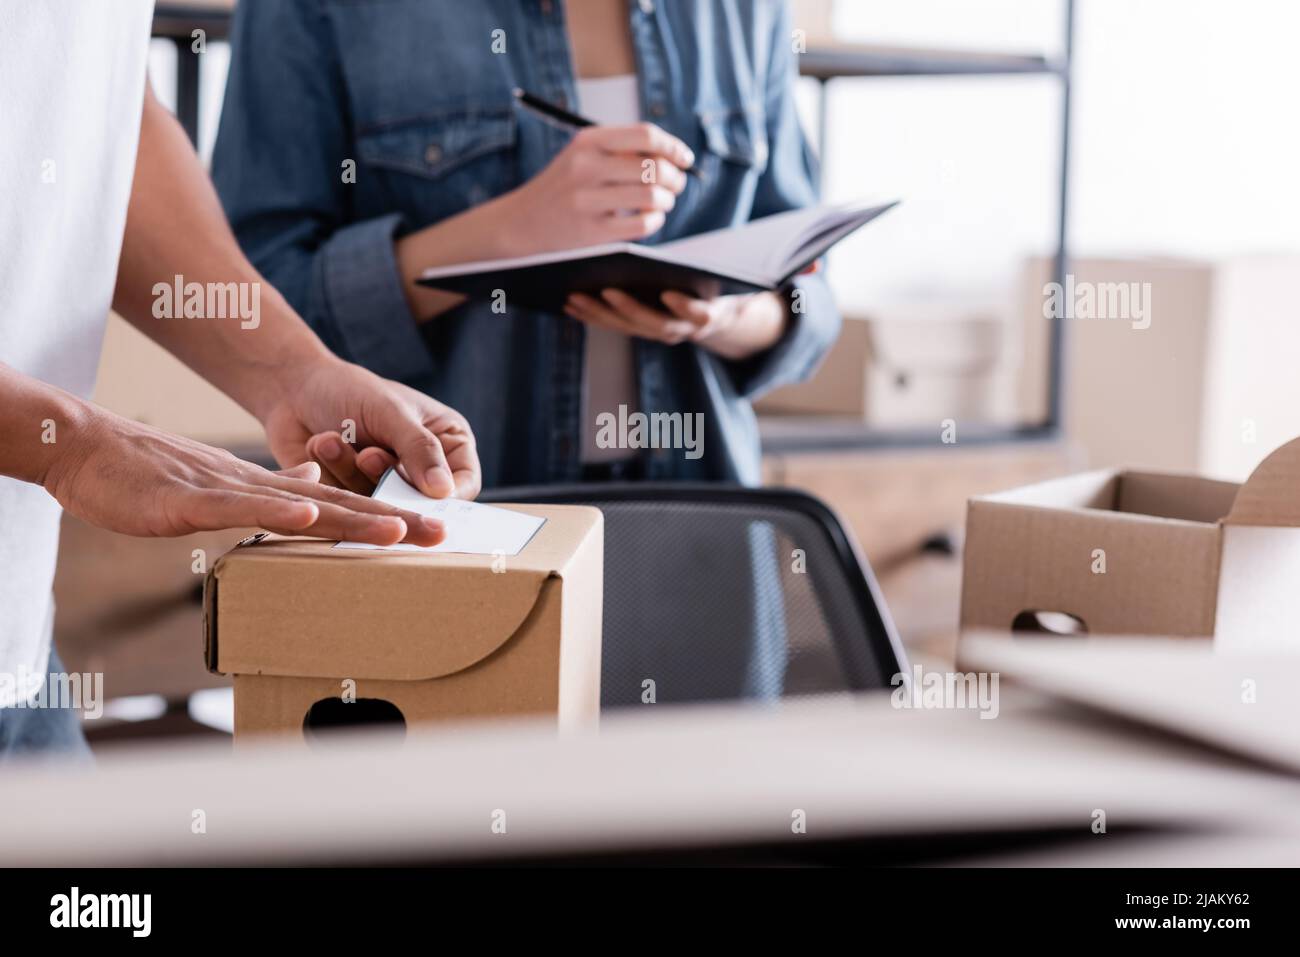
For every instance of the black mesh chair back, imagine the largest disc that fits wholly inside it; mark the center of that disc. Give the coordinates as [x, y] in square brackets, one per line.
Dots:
[715, 592]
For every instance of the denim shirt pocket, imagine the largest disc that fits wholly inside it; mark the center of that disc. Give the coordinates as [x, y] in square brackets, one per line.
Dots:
[731, 154]
[442, 163]
[736, 135]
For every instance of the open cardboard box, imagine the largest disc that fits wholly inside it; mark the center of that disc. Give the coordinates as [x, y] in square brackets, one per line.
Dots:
[316, 636]
[1141, 553]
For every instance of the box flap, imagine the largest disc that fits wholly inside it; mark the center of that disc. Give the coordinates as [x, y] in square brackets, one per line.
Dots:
[1271, 496]
[1259, 603]
[299, 607]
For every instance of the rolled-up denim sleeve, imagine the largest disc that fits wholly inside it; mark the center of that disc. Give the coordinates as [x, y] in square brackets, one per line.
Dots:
[281, 150]
[813, 324]
[358, 303]
[788, 182]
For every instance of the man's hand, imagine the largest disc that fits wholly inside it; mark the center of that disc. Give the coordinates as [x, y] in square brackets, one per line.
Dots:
[273, 367]
[388, 424]
[131, 478]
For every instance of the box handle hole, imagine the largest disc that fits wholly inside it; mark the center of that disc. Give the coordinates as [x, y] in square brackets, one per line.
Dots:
[1048, 623]
[335, 714]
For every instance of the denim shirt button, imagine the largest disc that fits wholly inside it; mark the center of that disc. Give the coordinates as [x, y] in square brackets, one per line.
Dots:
[647, 6]
[433, 153]
[658, 109]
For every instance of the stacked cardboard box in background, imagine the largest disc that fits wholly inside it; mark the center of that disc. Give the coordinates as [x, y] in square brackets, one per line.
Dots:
[1198, 378]
[1205, 382]
[911, 367]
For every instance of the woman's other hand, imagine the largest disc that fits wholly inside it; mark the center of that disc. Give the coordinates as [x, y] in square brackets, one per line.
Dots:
[734, 327]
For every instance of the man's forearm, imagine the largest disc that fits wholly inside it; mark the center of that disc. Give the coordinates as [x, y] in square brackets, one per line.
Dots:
[184, 282]
[36, 421]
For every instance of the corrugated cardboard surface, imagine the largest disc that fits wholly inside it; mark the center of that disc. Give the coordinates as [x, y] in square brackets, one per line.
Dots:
[521, 676]
[1260, 564]
[1167, 495]
[581, 610]
[1144, 553]
[1039, 549]
[295, 608]
[438, 635]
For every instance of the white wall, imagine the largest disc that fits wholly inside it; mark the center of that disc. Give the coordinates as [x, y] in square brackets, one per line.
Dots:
[1184, 144]
[1181, 139]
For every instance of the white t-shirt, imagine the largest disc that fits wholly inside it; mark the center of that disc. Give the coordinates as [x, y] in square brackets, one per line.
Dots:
[72, 74]
[609, 365]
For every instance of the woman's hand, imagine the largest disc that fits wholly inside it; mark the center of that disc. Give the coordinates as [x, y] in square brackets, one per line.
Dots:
[734, 327]
[609, 184]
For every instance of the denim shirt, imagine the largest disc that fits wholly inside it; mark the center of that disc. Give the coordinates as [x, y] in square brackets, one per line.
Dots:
[415, 95]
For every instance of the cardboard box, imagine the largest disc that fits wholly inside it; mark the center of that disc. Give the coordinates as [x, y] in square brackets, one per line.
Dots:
[1141, 553]
[838, 387]
[413, 636]
[908, 370]
[1203, 383]
[1148, 373]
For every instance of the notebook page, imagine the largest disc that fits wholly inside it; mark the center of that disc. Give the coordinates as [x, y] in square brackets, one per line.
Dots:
[761, 246]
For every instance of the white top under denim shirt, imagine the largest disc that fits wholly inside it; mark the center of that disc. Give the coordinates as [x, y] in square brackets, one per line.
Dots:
[72, 77]
[609, 363]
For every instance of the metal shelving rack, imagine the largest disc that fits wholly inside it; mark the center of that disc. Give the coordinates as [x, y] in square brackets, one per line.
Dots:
[841, 61]
[177, 19]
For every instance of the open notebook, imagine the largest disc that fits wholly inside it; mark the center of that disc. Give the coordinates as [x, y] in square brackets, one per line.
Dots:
[762, 254]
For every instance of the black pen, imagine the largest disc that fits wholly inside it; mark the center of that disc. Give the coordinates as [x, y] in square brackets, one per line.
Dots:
[561, 115]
